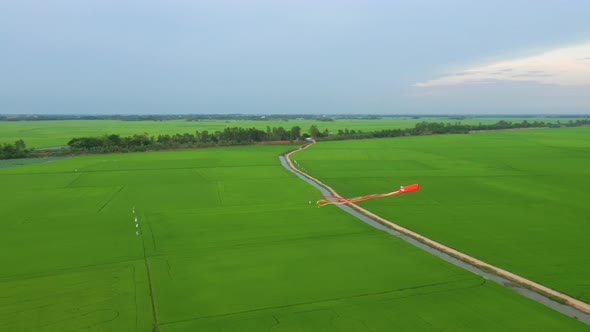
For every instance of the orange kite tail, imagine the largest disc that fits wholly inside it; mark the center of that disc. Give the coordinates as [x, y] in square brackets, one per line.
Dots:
[341, 200]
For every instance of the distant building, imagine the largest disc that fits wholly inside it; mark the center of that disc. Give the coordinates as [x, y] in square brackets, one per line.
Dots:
[309, 139]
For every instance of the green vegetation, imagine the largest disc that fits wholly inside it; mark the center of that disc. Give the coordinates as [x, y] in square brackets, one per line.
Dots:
[13, 151]
[244, 136]
[59, 132]
[6, 163]
[515, 199]
[229, 136]
[232, 245]
[237, 136]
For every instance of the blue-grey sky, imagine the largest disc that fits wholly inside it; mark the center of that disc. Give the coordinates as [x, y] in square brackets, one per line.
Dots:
[325, 57]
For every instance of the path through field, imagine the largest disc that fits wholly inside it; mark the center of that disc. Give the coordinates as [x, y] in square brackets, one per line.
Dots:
[569, 306]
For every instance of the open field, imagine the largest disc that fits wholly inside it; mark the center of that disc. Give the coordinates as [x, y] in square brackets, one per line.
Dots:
[6, 163]
[515, 199]
[52, 133]
[232, 245]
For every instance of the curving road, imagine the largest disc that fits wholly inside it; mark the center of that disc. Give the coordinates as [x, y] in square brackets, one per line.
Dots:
[565, 309]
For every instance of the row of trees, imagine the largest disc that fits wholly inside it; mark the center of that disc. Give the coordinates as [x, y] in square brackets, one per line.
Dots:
[439, 128]
[229, 136]
[237, 135]
[12, 151]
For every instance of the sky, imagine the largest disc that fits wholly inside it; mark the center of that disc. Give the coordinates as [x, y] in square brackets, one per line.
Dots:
[293, 57]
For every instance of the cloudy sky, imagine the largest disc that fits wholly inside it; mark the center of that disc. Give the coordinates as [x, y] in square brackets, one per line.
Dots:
[332, 56]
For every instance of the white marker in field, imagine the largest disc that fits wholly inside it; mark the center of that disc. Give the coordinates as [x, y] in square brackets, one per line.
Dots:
[135, 219]
[136, 232]
[136, 225]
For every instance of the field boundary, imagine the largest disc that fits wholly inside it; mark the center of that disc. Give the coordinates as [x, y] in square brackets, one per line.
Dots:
[506, 129]
[156, 326]
[521, 281]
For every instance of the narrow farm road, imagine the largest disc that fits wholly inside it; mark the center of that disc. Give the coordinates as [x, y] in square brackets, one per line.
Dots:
[549, 297]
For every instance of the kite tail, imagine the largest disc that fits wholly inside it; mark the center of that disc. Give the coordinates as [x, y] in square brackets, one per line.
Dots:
[341, 200]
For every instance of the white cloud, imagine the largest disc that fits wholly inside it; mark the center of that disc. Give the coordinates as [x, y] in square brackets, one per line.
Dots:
[568, 66]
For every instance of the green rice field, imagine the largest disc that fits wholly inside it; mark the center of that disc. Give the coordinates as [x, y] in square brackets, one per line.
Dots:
[227, 240]
[38, 134]
[6, 163]
[515, 199]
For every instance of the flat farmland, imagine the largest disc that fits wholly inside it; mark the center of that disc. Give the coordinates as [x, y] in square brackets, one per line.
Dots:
[515, 199]
[231, 243]
[53, 133]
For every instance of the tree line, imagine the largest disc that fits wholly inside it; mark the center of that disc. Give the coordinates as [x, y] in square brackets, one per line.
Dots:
[144, 142]
[13, 151]
[440, 128]
[244, 136]
[237, 135]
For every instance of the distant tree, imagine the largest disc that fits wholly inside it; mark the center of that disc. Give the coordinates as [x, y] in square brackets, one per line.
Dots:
[295, 132]
[86, 143]
[114, 140]
[280, 134]
[205, 136]
[164, 139]
[20, 145]
[314, 131]
[10, 151]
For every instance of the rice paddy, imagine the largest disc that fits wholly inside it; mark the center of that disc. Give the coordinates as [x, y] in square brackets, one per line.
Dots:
[222, 239]
[515, 199]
